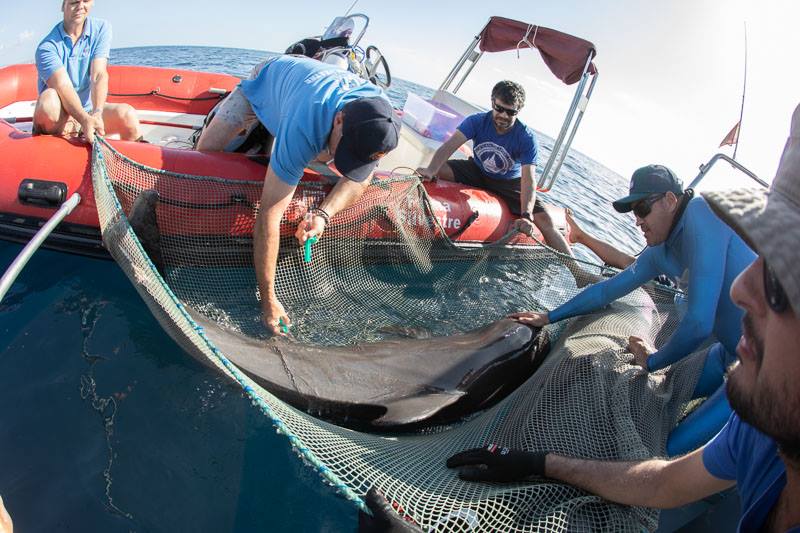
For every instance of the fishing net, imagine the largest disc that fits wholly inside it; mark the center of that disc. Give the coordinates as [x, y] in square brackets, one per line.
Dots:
[385, 265]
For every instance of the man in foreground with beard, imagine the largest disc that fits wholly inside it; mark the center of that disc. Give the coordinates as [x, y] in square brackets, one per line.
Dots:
[758, 450]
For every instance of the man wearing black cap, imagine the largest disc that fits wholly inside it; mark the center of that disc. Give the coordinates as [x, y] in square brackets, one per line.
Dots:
[682, 234]
[758, 450]
[315, 112]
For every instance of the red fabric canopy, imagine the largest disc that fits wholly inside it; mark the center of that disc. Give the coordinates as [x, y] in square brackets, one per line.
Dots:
[564, 54]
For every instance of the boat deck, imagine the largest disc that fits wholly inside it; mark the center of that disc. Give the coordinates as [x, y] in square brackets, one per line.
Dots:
[163, 128]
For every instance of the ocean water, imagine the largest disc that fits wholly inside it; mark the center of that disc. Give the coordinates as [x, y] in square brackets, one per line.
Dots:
[106, 425]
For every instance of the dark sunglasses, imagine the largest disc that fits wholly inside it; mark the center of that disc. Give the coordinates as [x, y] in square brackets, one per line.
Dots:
[642, 208]
[773, 290]
[508, 111]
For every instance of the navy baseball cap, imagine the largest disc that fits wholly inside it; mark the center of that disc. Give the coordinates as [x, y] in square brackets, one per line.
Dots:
[647, 181]
[369, 131]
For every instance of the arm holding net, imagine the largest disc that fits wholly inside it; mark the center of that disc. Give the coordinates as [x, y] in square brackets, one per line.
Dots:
[603, 293]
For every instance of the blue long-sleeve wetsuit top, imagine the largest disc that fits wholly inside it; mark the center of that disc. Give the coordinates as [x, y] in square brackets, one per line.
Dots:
[713, 254]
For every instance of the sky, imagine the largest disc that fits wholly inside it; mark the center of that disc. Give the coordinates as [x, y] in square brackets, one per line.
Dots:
[671, 72]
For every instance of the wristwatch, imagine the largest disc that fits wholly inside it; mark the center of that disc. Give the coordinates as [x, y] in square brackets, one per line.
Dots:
[527, 216]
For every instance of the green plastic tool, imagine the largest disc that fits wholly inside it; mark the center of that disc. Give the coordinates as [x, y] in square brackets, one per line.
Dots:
[307, 248]
[284, 327]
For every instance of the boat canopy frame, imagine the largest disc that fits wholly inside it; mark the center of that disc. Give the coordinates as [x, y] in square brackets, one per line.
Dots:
[569, 58]
[706, 168]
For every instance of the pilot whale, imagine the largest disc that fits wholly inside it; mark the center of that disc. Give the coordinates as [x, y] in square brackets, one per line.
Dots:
[406, 383]
[392, 385]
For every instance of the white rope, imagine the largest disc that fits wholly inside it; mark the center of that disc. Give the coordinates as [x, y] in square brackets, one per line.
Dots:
[524, 40]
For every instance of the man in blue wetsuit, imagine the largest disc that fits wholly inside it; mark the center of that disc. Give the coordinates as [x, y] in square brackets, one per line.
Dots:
[758, 450]
[682, 234]
[315, 112]
[73, 79]
[504, 162]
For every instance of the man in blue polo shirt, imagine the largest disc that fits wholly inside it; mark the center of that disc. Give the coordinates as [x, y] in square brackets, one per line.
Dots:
[314, 112]
[504, 161]
[73, 79]
[758, 450]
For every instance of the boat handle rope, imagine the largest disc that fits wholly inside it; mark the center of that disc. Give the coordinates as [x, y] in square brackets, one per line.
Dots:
[33, 245]
[235, 199]
[467, 223]
[218, 94]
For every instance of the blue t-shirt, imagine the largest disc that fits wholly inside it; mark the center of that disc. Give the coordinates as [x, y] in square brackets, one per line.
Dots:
[58, 51]
[741, 452]
[296, 99]
[712, 253]
[500, 157]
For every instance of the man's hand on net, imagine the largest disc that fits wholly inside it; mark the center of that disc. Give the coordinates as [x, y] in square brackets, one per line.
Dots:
[531, 318]
[91, 125]
[497, 463]
[641, 351]
[386, 517]
[312, 226]
[274, 317]
[426, 173]
[525, 226]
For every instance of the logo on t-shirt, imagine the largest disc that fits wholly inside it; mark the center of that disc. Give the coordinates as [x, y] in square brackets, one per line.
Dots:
[493, 158]
[345, 79]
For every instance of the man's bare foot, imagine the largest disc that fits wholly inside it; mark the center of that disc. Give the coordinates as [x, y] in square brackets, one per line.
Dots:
[575, 231]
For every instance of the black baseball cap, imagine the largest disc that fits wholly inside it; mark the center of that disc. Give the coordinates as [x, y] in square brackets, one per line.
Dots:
[647, 181]
[370, 130]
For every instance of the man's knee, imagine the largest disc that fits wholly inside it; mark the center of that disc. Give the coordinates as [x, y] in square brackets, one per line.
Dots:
[129, 122]
[446, 172]
[543, 221]
[128, 114]
[49, 115]
[233, 121]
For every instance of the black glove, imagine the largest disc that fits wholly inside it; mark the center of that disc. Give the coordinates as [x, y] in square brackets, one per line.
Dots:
[386, 517]
[496, 463]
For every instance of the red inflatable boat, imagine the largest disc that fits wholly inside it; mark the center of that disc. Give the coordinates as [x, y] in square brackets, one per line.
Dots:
[39, 173]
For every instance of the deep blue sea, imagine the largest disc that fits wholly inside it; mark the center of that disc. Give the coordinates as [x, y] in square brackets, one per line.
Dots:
[106, 425]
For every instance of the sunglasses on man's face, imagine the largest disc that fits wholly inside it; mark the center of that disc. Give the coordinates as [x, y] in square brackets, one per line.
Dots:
[507, 110]
[773, 290]
[642, 208]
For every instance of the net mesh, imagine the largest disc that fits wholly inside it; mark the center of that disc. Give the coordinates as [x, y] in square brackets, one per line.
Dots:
[385, 267]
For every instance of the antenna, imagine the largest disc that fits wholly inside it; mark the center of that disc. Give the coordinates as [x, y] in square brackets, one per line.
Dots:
[351, 7]
[744, 89]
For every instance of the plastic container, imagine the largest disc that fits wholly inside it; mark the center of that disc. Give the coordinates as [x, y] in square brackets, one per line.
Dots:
[432, 120]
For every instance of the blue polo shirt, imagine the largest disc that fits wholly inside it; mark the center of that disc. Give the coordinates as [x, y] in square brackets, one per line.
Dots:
[500, 156]
[712, 253]
[296, 99]
[58, 51]
[742, 453]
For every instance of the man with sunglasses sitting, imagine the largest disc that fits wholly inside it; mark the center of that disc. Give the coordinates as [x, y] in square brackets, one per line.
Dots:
[682, 234]
[504, 162]
[758, 450]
